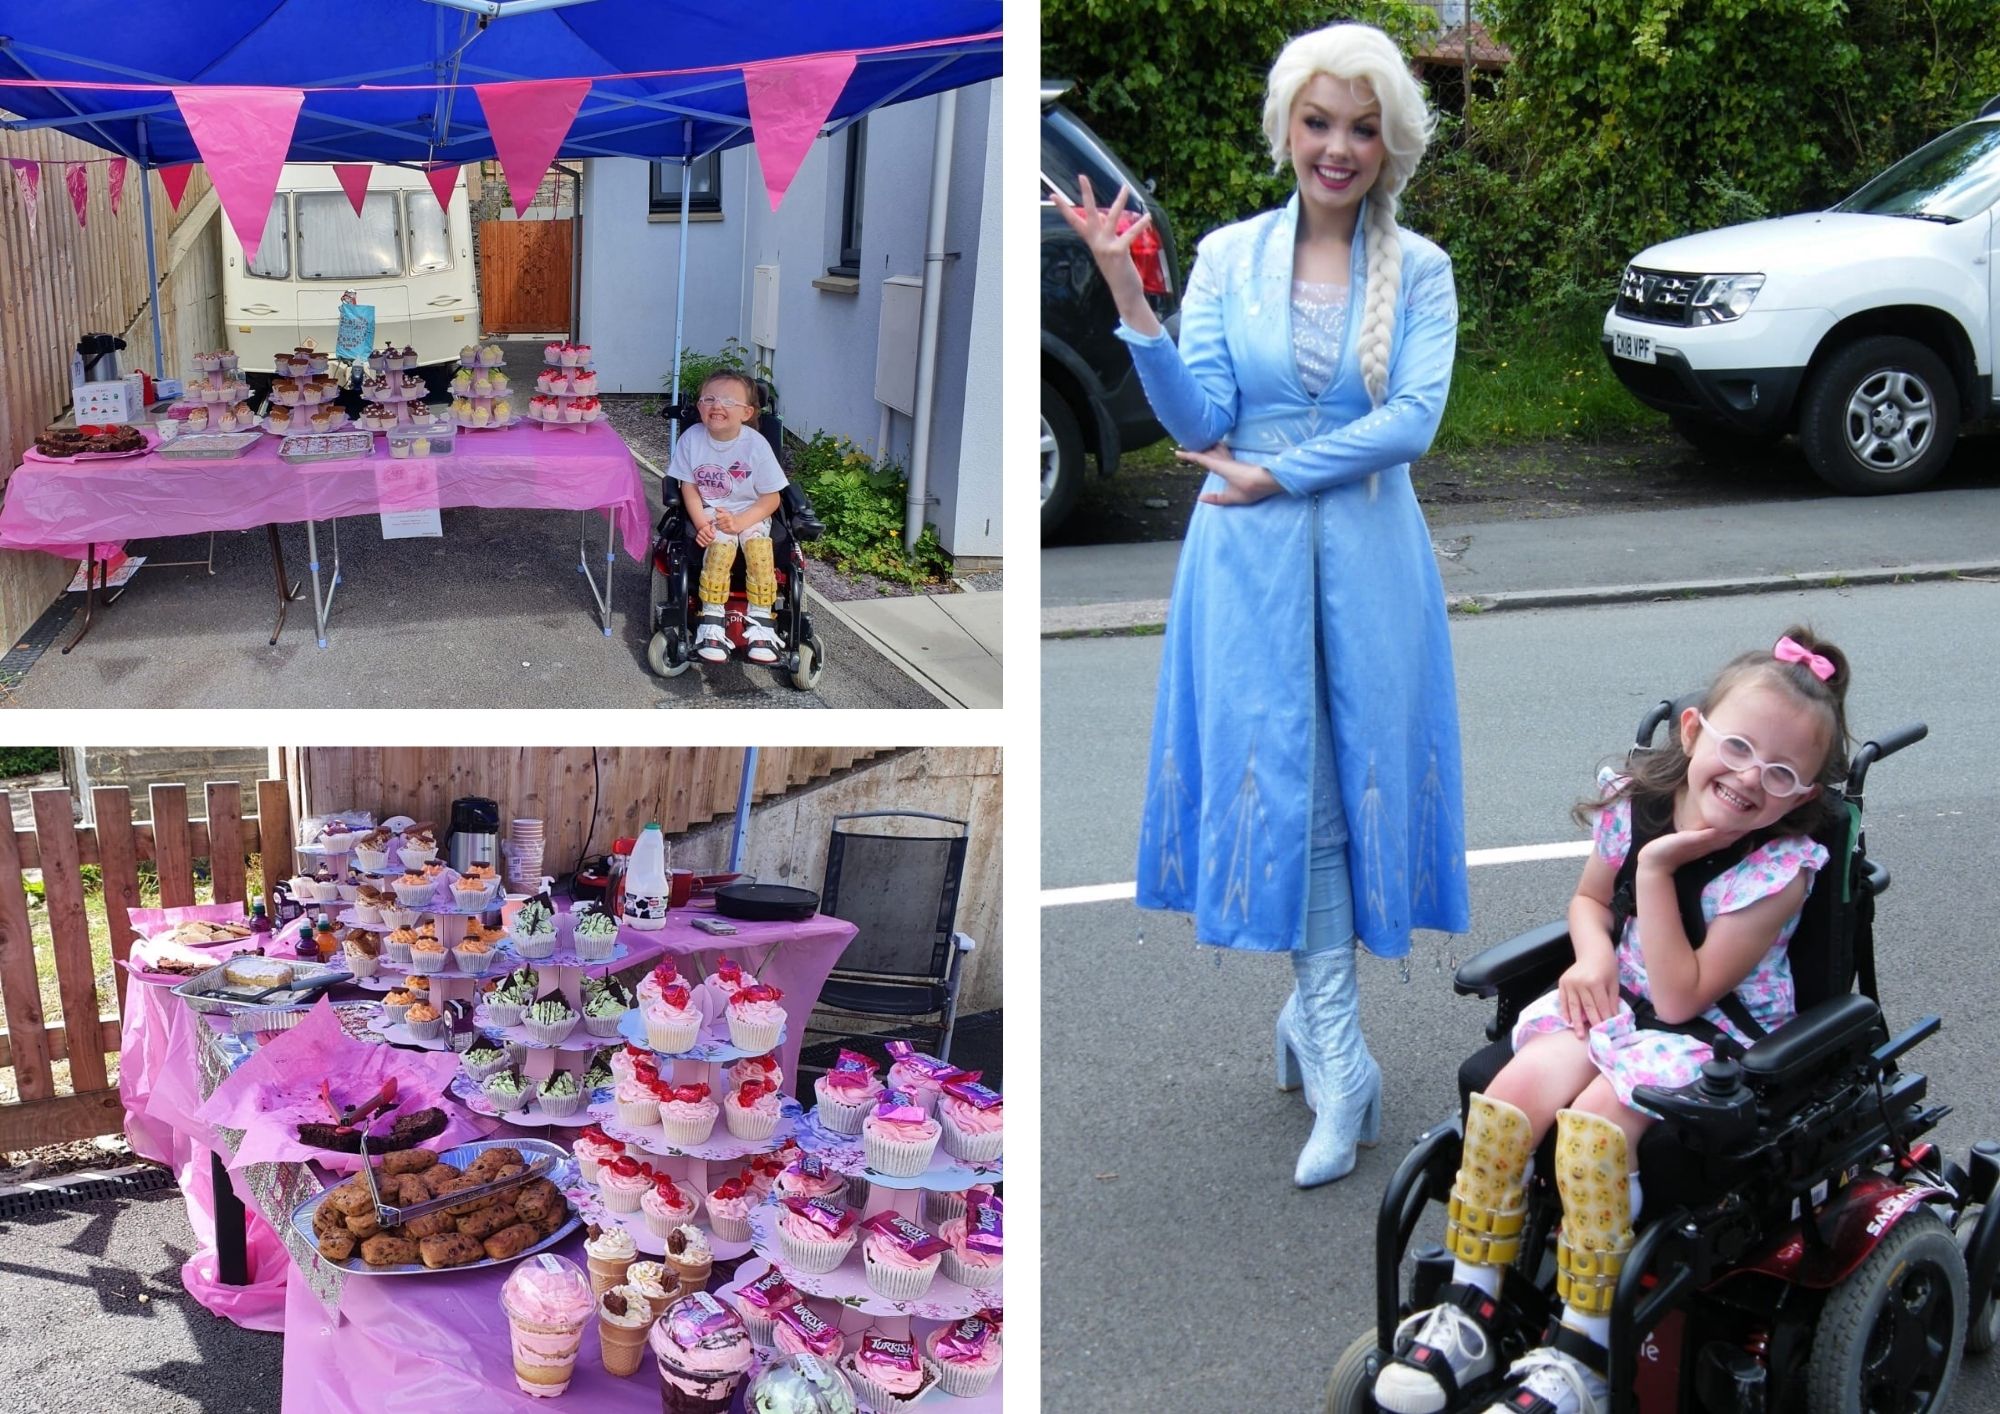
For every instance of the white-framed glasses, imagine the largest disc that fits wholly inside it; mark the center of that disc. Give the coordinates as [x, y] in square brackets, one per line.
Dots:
[1738, 754]
[722, 403]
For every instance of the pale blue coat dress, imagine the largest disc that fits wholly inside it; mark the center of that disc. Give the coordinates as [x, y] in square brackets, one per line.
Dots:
[1334, 577]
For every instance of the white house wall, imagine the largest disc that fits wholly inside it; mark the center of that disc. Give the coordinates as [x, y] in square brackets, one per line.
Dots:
[825, 361]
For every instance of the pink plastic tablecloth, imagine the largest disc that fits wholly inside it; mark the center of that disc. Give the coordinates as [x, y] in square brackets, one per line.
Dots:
[62, 509]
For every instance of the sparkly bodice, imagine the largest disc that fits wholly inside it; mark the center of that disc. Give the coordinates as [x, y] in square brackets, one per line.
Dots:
[1319, 324]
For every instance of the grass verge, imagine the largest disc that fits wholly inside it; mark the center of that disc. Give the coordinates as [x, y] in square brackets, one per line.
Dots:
[1534, 384]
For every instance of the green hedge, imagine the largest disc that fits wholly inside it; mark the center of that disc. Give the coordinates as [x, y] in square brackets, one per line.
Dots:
[861, 505]
[28, 760]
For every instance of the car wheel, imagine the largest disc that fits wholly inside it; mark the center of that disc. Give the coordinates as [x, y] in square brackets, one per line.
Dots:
[1890, 1335]
[1721, 445]
[1881, 416]
[1062, 459]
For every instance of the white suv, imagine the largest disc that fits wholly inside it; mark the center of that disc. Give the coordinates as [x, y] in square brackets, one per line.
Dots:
[1871, 330]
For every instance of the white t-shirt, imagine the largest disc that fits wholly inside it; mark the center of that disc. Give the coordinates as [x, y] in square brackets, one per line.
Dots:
[729, 475]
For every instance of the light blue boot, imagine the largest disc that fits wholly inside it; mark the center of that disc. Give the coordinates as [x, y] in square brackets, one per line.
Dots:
[1291, 1073]
[1326, 1038]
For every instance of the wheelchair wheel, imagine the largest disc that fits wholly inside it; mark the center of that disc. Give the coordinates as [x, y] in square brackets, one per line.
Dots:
[1351, 1388]
[667, 652]
[805, 677]
[1983, 1330]
[1891, 1335]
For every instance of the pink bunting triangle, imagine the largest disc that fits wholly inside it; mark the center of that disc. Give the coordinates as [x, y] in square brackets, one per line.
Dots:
[175, 180]
[76, 176]
[28, 177]
[117, 182]
[243, 135]
[354, 181]
[789, 100]
[442, 180]
[529, 122]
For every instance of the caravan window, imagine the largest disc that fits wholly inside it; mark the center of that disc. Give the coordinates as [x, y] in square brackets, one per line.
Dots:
[334, 244]
[430, 238]
[273, 258]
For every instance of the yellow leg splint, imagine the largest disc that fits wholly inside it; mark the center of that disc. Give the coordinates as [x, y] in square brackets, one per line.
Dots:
[1489, 1199]
[715, 567]
[1593, 1175]
[760, 574]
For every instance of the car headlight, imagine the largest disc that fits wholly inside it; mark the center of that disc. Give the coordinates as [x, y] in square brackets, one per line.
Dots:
[1721, 298]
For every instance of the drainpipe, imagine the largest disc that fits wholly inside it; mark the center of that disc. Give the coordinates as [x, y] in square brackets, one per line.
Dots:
[739, 835]
[152, 256]
[575, 250]
[934, 257]
[681, 279]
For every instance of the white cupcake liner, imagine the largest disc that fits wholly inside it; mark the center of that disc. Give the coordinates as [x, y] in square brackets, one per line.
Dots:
[897, 1160]
[362, 965]
[505, 1013]
[325, 893]
[603, 1027]
[898, 1283]
[963, 1381]
[618, 1200]
[729, 1229]
[640, 1114]
[414, 895]
[757, 1040]
[748, 1124]
[589, 949]
[368, 912]
[425, 1030]
[429, 962]
[840, 1118]
[474, 963]
[373, 860]
[971, 1148]
[347, 893]
[812, 1255]
[660, 1227]
[394, 915]
[396, 1013]
[878, 1398]
[550, 1033]
[534, 945]
[687, 1131]
[505, 1103]
[763, 1327]
[398, 953]
[415, 858]
[560, 1106]
[480, 1072]
[467, 900]
[672, 1039]
[941, 1208]
[965, 1274]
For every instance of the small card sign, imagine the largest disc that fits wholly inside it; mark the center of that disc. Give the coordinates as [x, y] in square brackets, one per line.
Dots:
[409, 496]
[408, 525]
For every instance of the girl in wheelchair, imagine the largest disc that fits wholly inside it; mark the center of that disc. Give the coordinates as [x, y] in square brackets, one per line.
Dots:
[1702, 859]
[730, 484]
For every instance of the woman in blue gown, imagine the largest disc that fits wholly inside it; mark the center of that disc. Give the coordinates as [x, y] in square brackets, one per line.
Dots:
[1303, 785]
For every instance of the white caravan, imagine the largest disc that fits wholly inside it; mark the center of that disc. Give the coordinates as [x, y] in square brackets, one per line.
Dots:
[402, 255]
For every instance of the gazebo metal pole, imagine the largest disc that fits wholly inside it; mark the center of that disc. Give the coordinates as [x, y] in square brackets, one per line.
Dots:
[739, 838]
[681, 282]
[152, 256]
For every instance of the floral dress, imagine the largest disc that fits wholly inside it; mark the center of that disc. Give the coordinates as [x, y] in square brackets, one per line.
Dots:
[1622, 1052]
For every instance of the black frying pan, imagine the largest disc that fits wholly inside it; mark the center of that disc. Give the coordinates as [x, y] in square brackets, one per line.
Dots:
[766, 902]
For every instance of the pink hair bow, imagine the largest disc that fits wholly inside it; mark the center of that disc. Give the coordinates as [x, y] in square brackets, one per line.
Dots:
[1790, 650]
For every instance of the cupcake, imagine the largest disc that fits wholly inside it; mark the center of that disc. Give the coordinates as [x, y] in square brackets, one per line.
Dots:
[505, 1090]
[482, 1061]
[969, 1116]
[887, 1373]
[627, 1060]
[550, 1021]
[534, 930]
[967, 1354]
[595, 937]
[898, 1257]
[637, 1105]
[919, 1076]
[594, 1147]
[816, 1234]
[583, 382]
[666, 1205]
[751, 1112]
[325, 887]
[765, 1170]
[764, 1068]
[396, 1006]
[624, 1181]
[610, 1251]
[428, 955]
[418, 849]
[655, 1284]
[809, 1177]
[941, 1208]
[475, 955]
[655, 983]
[560, 1096]
[425, 1022]
[673, 1021]
[972, 1255]
[470, 893]
[797, 1329]
[368, 901]
[687, 1115]
[363, 958]
[756, 1021]
[760, 1302]
[847, 1093]
[394, 915]
[597, 1075]
[623, 1316]
[897, 1137]
[727, 980]
[729, 1205]
[414, 889]
[702, 1352]
[508, 1002]
[605, 1003]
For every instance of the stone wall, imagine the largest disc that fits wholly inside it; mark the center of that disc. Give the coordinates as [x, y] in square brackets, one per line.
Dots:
[136, 768]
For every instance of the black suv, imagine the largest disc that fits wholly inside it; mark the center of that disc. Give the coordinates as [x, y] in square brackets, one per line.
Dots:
[1091, 398]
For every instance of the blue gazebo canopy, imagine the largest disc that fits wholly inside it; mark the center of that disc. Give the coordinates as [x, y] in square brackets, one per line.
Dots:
[313, 44]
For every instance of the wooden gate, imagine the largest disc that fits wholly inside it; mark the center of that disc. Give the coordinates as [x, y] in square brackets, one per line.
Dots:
[524, 276]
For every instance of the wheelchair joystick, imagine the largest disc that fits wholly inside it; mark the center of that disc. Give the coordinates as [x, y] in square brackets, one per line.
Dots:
[1721, 1079]
[1713, 1113]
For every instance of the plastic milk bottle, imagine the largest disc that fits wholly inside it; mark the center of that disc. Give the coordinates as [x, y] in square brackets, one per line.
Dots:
[646, 881]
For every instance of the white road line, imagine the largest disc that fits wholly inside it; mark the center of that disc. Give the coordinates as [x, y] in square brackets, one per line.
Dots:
[1474, 859]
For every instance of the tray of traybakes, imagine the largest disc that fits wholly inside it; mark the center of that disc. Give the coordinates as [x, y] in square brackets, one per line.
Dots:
[327, 446]
[209, 446]
[488, 1231]
[66, 444]
[266, 983]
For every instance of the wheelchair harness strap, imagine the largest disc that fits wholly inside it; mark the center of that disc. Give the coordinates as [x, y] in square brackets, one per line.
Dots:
[1651, 820]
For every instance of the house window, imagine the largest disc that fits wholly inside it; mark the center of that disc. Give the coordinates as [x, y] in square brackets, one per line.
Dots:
[704, 186]
[850, 202]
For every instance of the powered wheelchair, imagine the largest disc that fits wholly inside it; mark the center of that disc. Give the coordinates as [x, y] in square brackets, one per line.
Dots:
[1801, 1247]
[676, 562]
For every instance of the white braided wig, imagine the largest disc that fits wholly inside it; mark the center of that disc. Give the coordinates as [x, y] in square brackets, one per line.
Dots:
[1363, 55]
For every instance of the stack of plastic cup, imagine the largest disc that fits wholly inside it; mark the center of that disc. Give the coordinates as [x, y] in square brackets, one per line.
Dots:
[524, 853]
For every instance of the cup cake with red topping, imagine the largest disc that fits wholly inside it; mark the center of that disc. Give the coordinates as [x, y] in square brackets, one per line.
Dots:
[752, 1111]
[756, 1020]
[667, 1205]
[687, 1115]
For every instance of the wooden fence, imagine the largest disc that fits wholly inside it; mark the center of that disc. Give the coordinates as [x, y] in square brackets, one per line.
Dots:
[59, 282]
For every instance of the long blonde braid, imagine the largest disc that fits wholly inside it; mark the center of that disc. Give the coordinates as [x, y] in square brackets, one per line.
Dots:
[1378, 299]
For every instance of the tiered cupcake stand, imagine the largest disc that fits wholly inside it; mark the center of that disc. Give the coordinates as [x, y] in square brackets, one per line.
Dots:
[386, 388]
[312, 393]
[217, 389]
[561, 975]
[477, 405]
[566, 392]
